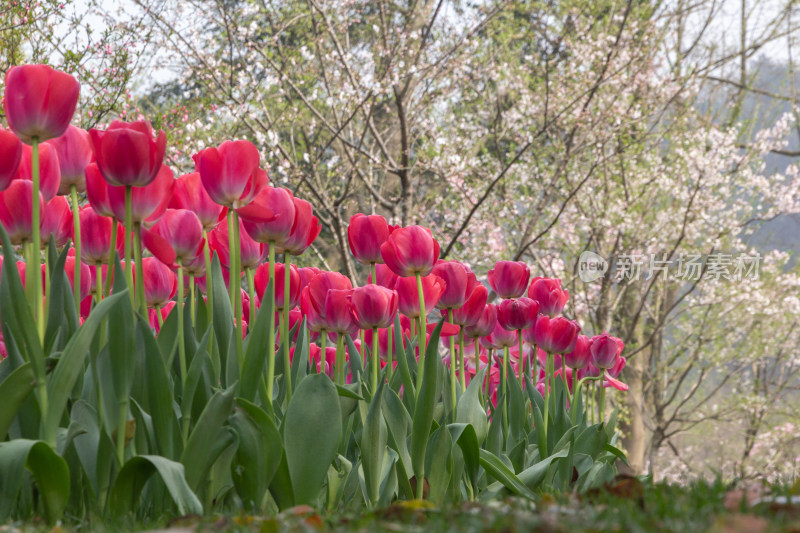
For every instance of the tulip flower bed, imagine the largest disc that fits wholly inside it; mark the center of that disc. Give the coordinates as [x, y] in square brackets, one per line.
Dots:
[163, 355]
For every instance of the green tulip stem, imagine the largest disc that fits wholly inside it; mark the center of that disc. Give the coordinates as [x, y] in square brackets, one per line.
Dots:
[137, 251]
[112, 250]
[505, 389]
[271, 326]
[181, 334]
[375, 360]
[547, 391]
[128, 231]
[423, 329]
[76, 233]
[520, 359]
[287, 364]
[340, 360]
[236, 285]
[462, 375]
[323, 343]
[37, 241]
[374, 274]
[390, 370]
[602, 401]
[191, 299]
[231, 261]
[251, 293]
[453, 361]
[98, 282]
[159, 317]
[209, 292]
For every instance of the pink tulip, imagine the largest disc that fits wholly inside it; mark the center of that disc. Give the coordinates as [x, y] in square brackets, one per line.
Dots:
[49, 170]
[39, 101]
[86, 275]
[97, 191]
[261, 279]
[230, 173]
[160, 282]
[408, 294]
[605, 349]
[10, 156]
[57, 222]
[306, 228]
[484, 325]
[190, 194]
[313, 299]
[619, 365]
[473, 308]
[96, 236]
[410, 251]
[509, 279]
[459, 283]
[74, 150]
[517, 314]
[269, 218]
[374, 306]
[556, 335]
[147, 203]
[338, 312]
[548, 292]
[252, 253]
[306, 274]
[499, 338]
[127, 153]
[16, 211]
[366, 234]
[177, 236]
[580, 356]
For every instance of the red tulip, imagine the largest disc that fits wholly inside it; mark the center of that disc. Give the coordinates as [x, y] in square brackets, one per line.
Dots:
[410, 251]
[269, 218]
[16, 210]
[484, 325]
[366, 234]
[86, 275]
[556, 335]
[177, 236]
[127, 153]
[473, 308]
[160, 282]
[57, 222]
[619, 365]
[97, 191]
[548, 292]
[261, 279]
[96, 236]
[408, 294]
[374, 306]
[580, 356]
[49, 171]
[252, 252]
[605, 349]
[459, 283]
[509, 278]
[306, 228]
[314, 296]
[385, 276]
[190, 194]
[39, 101]
[306, 274]
[499, 338]
[517, 314]
[10, 156]
[74, 150]
[230, 173]
[147, 203]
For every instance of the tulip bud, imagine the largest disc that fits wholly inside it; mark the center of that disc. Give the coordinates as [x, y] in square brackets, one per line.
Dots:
[374, 306]
[39, 101]
[408, 294]
[366, 234]
[49, 170]
[306, 228]
[548, 292]
[190, 194]
[459, 283]
[509, 278]
[580, 356]
[10, 156]
[230, 173]
[605, 349]
[74, 150]
[484, 325]
[16, 211]
[517, 314]
[261, 278]
[410, 251]
[556, 335]
[473, 308]
[127, 153]
[160, 282]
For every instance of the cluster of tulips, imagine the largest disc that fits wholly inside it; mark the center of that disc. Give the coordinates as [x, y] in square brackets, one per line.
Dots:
[160, 324]
[227, 204]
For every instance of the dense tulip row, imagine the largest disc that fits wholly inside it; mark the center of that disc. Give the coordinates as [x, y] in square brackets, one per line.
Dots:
[228, 211]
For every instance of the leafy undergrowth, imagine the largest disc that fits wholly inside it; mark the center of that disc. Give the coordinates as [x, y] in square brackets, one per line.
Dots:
[624, 505]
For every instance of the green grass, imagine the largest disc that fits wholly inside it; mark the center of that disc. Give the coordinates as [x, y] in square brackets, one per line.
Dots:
[627, 505]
